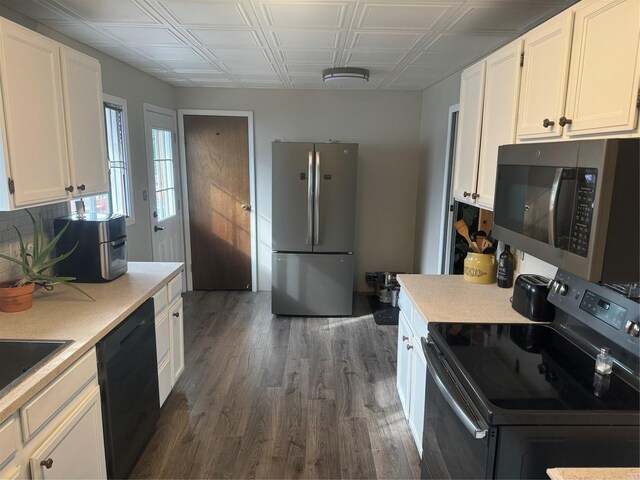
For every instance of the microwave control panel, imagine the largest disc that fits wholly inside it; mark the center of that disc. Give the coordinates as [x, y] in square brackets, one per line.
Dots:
[583, 211]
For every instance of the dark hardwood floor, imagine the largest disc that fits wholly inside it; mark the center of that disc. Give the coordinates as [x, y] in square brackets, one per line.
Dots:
[276, 397]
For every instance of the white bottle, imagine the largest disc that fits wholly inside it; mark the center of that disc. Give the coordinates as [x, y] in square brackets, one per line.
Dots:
[604, 361]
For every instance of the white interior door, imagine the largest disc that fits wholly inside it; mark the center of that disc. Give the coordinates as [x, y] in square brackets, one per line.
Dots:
[163, 167]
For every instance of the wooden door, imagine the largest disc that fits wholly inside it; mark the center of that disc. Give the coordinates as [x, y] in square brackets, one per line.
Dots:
[500, 116]
[465, 170]
[84, 114]
[605, 68]
[544, 78]
[76, 448]
[34, 116]
[217, 164]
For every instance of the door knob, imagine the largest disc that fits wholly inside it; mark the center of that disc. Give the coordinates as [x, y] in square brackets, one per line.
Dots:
[404, 338]
[409, 347]
[176, 314]
[246, 207]
[546, 123]
[82, 187]
[48, 463]
[466, 194]
[474, 195]
[156, 228]
[69, 188]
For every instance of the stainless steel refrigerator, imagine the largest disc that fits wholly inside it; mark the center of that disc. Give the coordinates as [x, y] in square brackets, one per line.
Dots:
[313, 228]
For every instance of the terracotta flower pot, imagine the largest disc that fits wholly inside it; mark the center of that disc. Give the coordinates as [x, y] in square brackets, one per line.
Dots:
[16, 299]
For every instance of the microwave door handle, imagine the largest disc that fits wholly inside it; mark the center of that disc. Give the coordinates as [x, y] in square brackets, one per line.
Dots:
[553, 206]
[446, 385]
[310, 200]
[316, 202]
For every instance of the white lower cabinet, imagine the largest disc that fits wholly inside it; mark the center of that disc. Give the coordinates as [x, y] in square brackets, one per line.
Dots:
[169, 335]
[411, 367]
[58, 433]
[76, 448]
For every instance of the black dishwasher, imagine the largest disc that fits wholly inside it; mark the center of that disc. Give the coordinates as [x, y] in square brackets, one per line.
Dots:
[128, 375]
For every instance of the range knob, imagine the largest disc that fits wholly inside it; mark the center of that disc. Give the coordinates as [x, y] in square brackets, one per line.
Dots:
[559, 288]
[632, 328]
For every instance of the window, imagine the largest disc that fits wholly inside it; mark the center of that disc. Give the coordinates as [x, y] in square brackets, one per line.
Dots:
[118, 200]
[163, 173]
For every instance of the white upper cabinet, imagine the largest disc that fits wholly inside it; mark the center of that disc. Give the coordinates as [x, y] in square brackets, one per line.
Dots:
[605, 68]
[500, 115]
[469, 132]
[543, 88]
[84, 115]
[32, 120]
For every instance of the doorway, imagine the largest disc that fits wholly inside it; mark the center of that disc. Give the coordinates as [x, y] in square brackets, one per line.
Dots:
[447, 232]
[164, 184]
[218, 186]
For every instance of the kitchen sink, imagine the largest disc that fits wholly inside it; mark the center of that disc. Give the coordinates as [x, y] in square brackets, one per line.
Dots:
[20, 358]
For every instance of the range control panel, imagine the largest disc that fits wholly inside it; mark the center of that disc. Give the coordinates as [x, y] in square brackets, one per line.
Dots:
[583, 211]
[603, 309]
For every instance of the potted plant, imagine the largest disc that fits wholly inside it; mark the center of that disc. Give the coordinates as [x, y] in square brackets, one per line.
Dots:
[17, 295]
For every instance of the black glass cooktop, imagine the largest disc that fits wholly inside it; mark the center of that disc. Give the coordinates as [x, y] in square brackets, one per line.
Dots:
[532, 367]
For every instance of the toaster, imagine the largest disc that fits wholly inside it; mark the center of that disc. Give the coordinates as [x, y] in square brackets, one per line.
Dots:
[530, 298]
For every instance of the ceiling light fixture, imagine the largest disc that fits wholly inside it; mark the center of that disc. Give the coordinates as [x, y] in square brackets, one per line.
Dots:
[345, 75]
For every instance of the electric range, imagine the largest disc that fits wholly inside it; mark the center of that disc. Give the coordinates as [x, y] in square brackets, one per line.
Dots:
[511, 400]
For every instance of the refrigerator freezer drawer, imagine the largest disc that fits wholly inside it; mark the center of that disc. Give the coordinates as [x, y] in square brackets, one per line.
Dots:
[312, 284]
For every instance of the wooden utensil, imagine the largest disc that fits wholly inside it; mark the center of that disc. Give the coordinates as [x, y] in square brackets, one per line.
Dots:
[463, 230]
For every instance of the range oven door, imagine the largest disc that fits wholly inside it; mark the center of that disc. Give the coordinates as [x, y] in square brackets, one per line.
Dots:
[456, 442]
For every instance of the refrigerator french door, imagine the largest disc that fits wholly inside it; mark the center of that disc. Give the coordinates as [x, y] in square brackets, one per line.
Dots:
[313, 228]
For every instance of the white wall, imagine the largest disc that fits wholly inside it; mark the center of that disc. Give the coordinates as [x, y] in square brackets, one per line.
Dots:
[125, 81]
[436, 101]
[385, 124]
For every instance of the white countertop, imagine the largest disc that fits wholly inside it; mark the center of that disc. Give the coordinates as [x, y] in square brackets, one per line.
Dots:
[66, 314]
[449, 298]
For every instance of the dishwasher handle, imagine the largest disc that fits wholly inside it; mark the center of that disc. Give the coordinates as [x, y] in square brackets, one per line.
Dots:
[445, 383]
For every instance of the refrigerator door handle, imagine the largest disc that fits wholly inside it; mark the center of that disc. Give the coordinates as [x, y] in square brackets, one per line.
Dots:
[310, 200]
[316, 203]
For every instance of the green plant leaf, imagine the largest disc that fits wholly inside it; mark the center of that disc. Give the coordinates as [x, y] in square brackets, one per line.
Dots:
[53, 261]
[46, 250]
[64, 281]
[11, 259]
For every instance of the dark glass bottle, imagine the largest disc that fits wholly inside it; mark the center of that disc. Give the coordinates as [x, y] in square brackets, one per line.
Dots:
[506, 265]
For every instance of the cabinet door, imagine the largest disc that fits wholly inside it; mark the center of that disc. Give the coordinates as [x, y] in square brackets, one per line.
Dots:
[500, 116]
[418, 389]
[177, 341]
[84, 115]
[403, 363]
[605, 68]
[34, 116]
[76, 448]
[465, 170]
[544, 78]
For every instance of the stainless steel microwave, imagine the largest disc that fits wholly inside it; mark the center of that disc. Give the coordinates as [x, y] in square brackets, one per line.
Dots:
[573, 204]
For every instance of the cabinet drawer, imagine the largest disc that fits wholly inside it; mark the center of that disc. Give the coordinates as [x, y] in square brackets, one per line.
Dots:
[162, 336]
[164, 380]
[405, 304]
[175, 288]
[41, 408]
[8, 439]
[160, 301]
[418, 325]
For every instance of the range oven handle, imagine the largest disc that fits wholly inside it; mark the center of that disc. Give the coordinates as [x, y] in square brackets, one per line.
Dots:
[553, 206]
[445, 384]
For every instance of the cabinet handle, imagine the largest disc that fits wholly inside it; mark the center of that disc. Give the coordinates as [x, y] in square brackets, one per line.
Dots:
[48, 463]
[547, 123]
[475, 195]
[409, 347]
[82, 187]
[69, 188]
[466, 194]
[565, 121]
[404, 338]
[176, 314]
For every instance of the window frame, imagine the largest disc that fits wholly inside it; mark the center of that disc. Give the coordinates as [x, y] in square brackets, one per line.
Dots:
[122, 103]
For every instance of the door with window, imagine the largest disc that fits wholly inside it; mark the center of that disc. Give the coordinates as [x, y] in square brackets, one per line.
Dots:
[164, 184]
